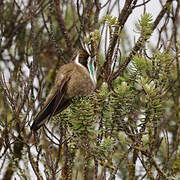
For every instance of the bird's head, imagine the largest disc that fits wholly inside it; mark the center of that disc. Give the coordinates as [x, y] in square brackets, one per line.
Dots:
[85, 58]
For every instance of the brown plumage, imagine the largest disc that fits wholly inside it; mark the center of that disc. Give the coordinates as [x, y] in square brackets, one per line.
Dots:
[72, 79]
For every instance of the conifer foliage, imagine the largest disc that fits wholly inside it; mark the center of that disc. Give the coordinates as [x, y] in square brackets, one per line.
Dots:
[128, 128]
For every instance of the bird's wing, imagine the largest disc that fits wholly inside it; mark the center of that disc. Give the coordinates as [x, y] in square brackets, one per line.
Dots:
[51, 105]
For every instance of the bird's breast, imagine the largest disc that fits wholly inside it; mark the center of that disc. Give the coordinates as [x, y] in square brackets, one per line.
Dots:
[80, 83]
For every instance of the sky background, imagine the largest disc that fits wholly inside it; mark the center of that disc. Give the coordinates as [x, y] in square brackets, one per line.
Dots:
[153, 7]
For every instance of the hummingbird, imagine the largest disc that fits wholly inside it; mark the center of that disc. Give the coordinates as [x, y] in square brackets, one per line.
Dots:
[77, 78]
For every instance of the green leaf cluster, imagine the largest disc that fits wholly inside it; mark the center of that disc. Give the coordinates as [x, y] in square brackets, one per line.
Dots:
[145, 25]
[112, 22]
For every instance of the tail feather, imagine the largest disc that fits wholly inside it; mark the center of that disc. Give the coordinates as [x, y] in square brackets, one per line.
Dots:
[40, 120]
[43, 116]
[37, 124]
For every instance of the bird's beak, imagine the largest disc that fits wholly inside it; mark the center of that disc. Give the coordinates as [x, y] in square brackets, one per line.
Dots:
[87, 49]
[92, 56]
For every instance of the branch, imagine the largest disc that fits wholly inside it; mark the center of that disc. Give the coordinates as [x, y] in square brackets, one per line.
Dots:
[141, 41]
[142, 4]
[34, 165]
[53, 39]
[58, 13]
[123, 16]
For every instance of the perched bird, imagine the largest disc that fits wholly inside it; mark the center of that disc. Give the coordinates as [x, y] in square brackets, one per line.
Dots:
[77, 78]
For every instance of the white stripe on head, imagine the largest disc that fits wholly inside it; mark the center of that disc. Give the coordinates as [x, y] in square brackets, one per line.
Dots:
[77, 58]
[87, 49]
[82, 43]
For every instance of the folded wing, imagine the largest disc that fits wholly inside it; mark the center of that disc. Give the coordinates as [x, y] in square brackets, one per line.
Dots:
[53, 106]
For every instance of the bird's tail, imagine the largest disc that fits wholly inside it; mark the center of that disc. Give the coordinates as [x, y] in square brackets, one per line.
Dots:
[43, 115]
[37, 124]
